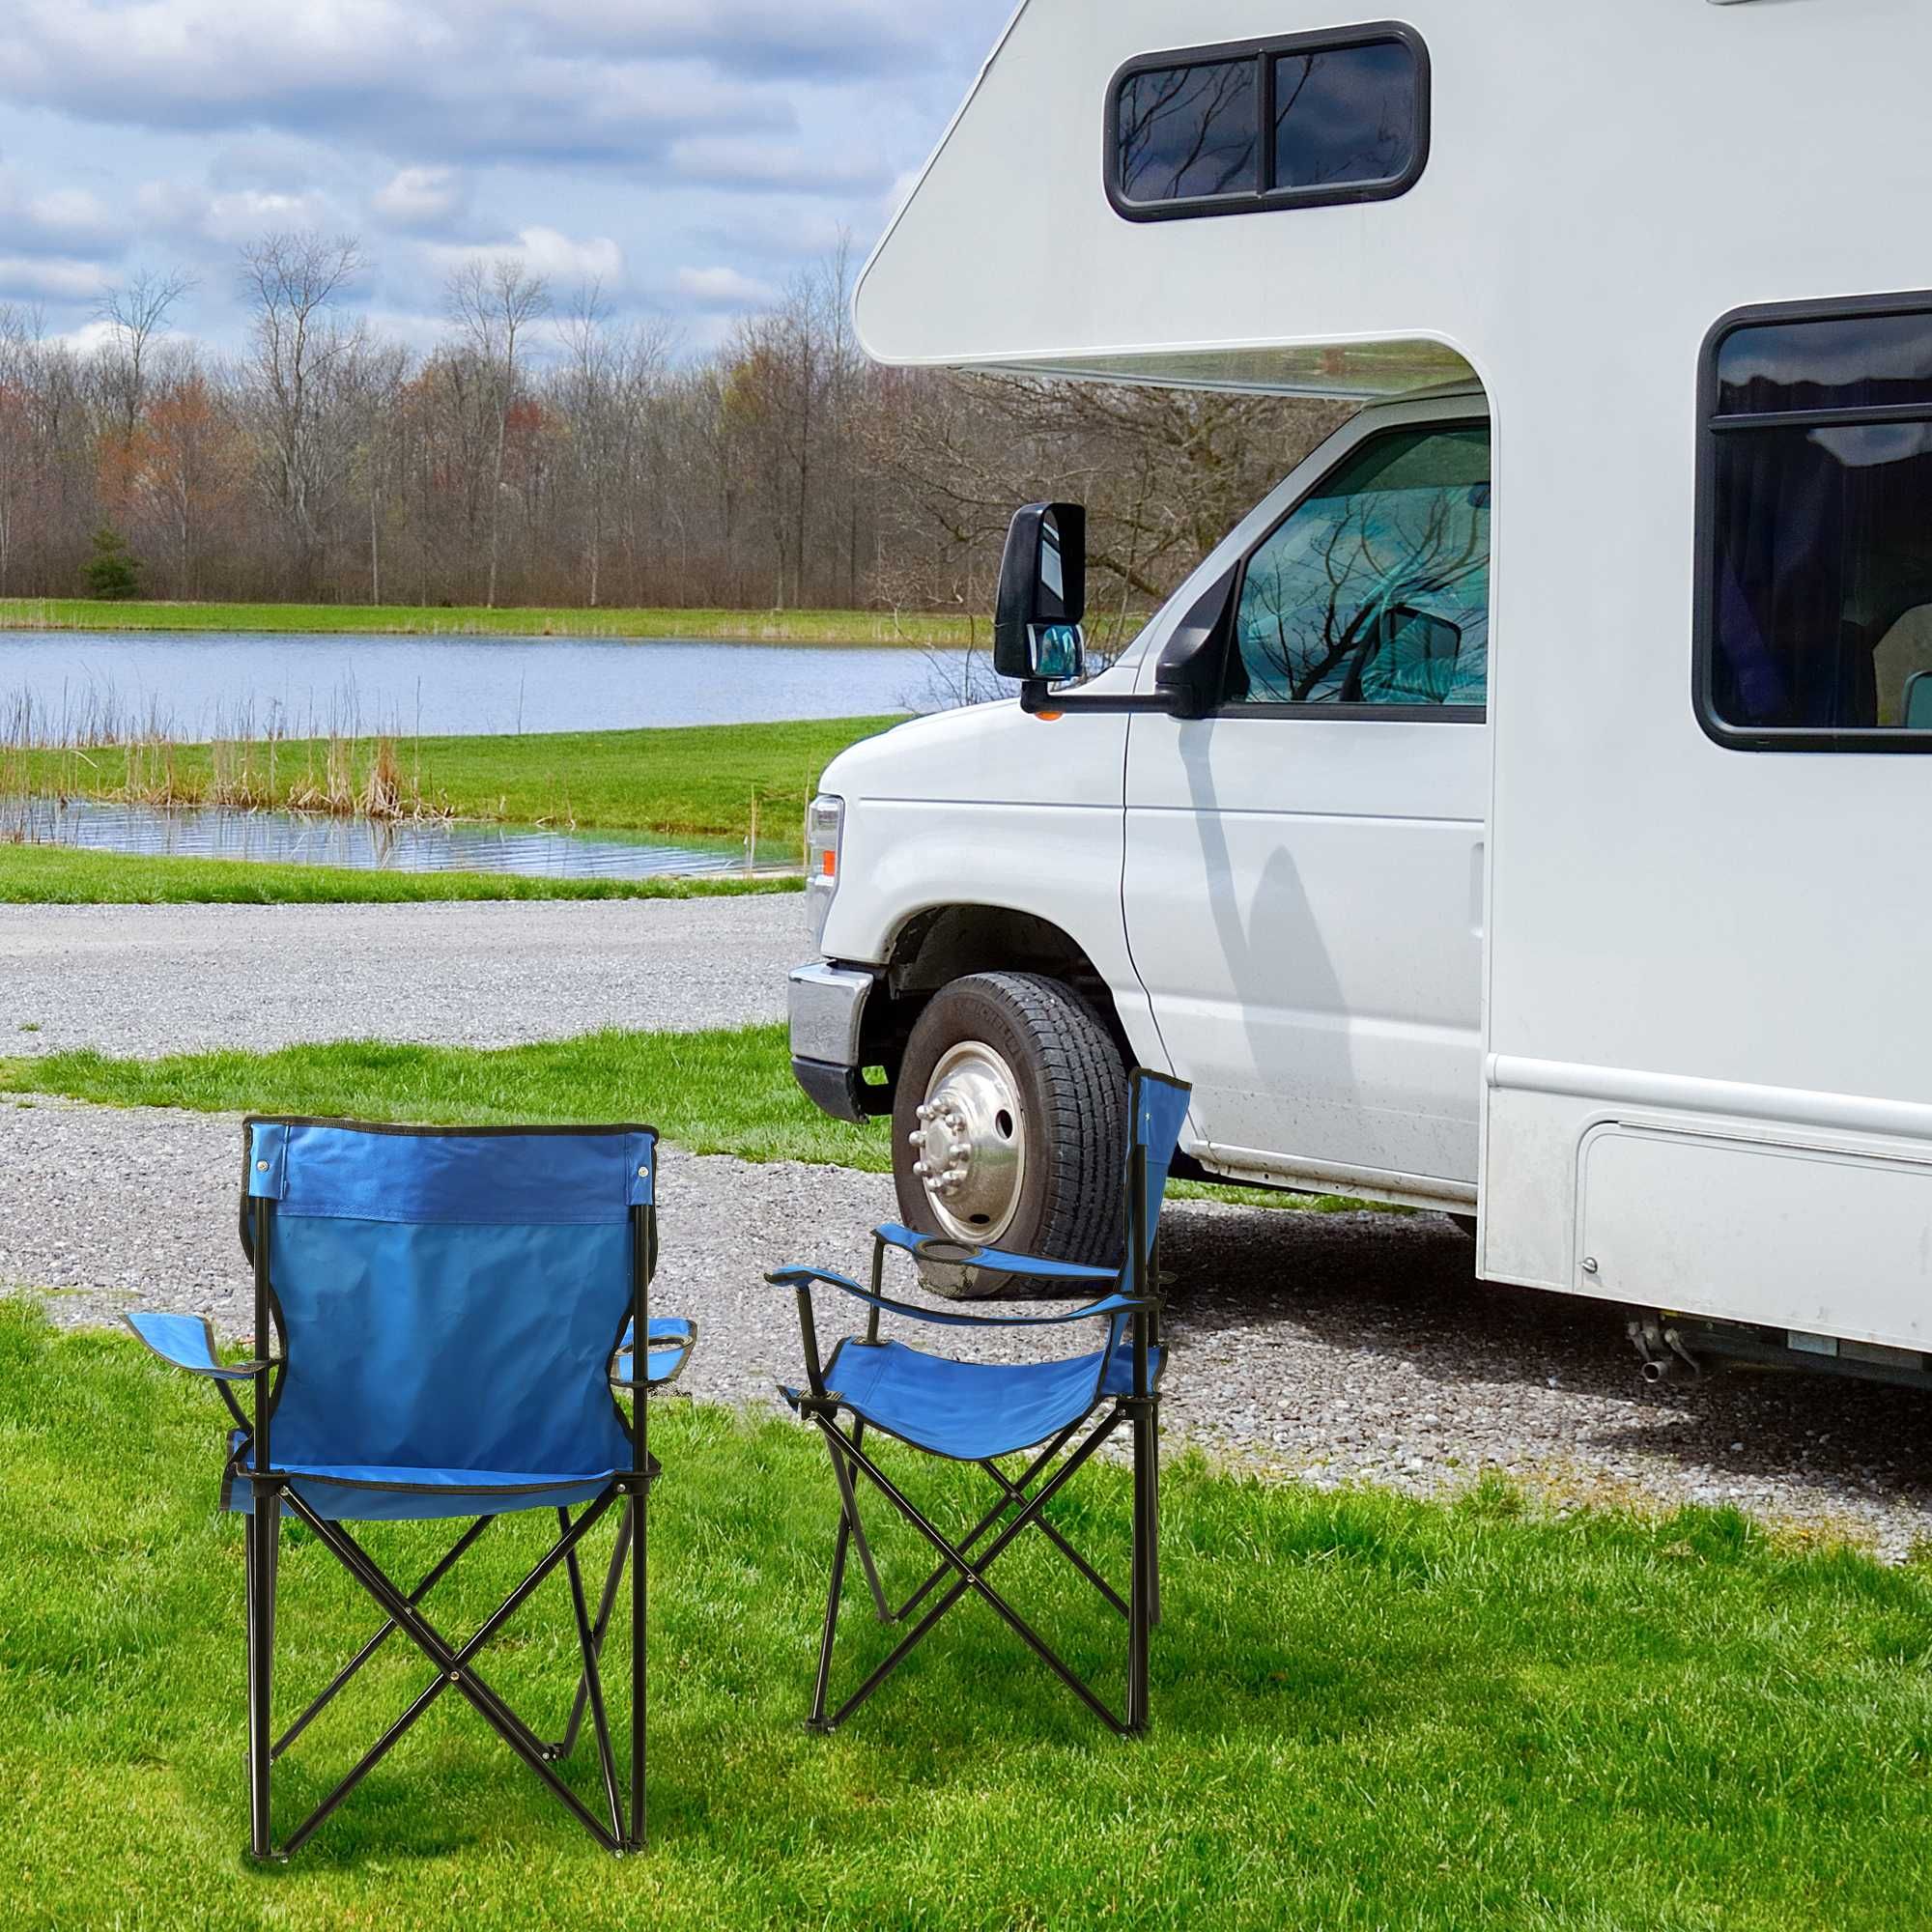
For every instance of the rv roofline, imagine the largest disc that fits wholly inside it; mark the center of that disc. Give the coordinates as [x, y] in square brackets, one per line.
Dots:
[959, 114]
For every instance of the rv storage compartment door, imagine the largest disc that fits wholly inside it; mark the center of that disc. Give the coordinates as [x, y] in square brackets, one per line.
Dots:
[1827, 1240]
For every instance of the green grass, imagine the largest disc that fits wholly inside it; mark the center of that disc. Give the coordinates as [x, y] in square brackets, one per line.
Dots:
[710, 1093]
[696, 779]
[470, 620]
[726, 1091]
[59, 876]
[1369, 1712]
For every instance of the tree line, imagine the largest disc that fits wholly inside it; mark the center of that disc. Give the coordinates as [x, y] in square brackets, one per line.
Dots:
[544, 451]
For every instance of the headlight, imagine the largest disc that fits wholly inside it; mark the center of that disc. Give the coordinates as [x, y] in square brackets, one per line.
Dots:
[824, 827]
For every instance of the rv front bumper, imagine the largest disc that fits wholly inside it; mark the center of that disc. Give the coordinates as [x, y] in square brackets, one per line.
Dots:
[828, 1018]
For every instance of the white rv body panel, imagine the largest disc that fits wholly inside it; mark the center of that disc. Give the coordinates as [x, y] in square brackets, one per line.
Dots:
[1704, 1047]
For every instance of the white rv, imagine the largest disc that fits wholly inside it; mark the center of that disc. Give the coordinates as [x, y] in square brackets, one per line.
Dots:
[1525, 813]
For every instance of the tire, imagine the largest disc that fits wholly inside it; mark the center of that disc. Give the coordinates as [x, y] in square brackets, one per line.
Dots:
[1017, 1047]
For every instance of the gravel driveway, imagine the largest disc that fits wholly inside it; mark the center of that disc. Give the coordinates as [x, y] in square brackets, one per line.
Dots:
[1329, 1346]
[154, 980]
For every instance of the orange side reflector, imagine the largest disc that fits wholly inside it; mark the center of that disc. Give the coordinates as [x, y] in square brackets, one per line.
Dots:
[1050, 717]
[829, 865]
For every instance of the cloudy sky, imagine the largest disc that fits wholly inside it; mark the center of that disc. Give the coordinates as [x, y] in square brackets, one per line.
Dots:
[688, 155]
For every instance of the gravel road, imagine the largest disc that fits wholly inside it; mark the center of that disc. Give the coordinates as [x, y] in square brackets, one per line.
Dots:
[154, 980]
[1330, 1348]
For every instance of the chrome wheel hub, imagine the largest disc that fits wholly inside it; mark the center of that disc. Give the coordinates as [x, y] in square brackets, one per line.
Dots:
[970, 1145]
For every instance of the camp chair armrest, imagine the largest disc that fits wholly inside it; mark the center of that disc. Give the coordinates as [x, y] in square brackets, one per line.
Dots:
[187, 1341]
[963, 1254]
[949, 1318]
[671, 1336]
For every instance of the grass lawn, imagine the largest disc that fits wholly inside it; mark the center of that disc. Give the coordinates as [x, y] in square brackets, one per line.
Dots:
[696, 780]
[798, 627]
[726, 1091]
[710, 1093]
[60, 876]
[1368, 1712]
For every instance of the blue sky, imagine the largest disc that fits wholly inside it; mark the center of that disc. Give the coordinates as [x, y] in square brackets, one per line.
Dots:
[688, 155]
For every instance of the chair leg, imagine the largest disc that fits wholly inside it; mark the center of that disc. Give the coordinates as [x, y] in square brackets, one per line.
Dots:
[848, 1501]
[843, 1543]
[593, 1681]
[1144, 1585]
[613, 1579]
[1153, 1525]
[637, 1840]
[262, 1536]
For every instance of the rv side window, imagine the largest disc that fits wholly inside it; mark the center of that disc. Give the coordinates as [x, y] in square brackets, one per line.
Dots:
[1815, 611]
[1375, 589]
[1286, 123]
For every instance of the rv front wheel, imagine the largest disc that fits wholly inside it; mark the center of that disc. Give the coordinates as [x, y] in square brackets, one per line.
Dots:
[1009, 1126]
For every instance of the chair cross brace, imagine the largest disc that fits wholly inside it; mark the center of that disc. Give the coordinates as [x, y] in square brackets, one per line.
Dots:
[968, 1570]
[1014, 1490]
[455, 1665]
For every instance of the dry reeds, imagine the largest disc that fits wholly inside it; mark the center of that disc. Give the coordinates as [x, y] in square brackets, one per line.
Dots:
[136, 760]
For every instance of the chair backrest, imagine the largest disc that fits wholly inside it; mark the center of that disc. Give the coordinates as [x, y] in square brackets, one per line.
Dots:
[1156, 1108]
[450, 1298]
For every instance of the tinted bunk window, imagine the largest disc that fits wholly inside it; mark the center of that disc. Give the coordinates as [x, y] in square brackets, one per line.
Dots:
[1347, 115]
[1816, 627]
[1286, 123]
[1188, 131]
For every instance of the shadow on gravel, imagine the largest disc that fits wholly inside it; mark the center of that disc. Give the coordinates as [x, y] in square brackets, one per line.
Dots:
[1404, 1286]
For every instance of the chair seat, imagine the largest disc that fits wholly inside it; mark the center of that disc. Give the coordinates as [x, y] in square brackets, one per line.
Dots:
[969, 1411]
[378, 1492]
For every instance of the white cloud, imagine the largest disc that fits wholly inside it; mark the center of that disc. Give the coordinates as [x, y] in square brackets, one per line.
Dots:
[58, 221]
[549, 252]
[590, 139]
[720, 288]
[60, 278]
[421, 197]
[187, 212]
[793, 37]
[744, 161]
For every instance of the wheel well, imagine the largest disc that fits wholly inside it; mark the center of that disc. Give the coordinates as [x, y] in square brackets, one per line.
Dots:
[945, 943]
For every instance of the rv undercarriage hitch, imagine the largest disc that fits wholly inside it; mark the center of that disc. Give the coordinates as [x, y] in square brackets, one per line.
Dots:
[1663, 1352]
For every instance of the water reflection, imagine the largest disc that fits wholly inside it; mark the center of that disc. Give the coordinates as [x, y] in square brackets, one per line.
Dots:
[216, 832]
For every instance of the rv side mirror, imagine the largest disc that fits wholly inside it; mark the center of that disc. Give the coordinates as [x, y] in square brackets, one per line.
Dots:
[1042, 595]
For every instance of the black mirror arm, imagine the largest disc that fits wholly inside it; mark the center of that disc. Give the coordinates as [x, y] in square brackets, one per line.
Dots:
[1187, 680]
[1038, 699]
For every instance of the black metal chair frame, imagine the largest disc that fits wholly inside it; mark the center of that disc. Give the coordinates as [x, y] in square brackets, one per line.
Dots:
[1021, 1505]
[454, 1664]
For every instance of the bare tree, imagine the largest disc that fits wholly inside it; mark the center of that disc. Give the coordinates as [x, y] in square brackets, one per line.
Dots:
[291, 283]
[138, 314]
[492, 305]
[600, 465]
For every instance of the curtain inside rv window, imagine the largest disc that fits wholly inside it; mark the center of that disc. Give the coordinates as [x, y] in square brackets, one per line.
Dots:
[1819, 494]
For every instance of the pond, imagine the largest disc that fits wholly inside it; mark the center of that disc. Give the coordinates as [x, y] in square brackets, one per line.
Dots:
[429, 845]
[197, 684]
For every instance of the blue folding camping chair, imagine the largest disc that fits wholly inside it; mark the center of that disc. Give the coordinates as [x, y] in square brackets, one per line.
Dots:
[980, 1412]
[444, 1321]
